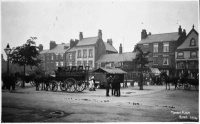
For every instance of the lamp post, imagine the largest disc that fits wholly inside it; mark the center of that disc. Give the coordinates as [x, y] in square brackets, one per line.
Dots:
[7, 51]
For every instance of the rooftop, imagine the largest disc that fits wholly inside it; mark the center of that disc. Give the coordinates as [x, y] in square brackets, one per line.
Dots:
[160, 38]
[60, 48]
[87, 41]
[129, 56]
[110, 47]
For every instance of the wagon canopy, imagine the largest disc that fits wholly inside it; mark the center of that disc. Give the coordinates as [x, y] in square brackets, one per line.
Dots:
[110, 70]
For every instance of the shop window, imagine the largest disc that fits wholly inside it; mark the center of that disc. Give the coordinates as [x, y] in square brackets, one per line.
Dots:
[181, 65]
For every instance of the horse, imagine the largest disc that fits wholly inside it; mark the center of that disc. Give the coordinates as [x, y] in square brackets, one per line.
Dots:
[169, 79]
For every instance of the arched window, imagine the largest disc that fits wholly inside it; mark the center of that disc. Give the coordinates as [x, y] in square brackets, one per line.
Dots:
[193, 42]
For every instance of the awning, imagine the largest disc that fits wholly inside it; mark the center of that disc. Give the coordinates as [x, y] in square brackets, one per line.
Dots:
[110, 70]
[155, 70]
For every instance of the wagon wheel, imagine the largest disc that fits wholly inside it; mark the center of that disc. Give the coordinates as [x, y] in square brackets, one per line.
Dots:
[80, 86]
[53, 85]
[197, 87]
[179, 86]
[71, 85]
[32, 83]
[63, 85]
[187, 86]
[18, 81]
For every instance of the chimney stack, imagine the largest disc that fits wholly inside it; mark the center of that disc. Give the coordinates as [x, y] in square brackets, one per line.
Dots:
[143, 34]
[120, 48]
[100, 34]
[40, 47]
[72, 43]
[179, 30]
[109, 41]
[184, 33]
[52, 44]
[80, 36]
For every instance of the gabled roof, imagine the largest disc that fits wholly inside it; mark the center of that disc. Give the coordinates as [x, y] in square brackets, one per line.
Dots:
[87, 41]
[60, 48]
[110, 70]
[109, 47]
[117, 57]
[160, 38]
[180, 47]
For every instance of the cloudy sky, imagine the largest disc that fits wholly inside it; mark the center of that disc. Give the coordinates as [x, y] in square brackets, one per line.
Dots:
[121, 20]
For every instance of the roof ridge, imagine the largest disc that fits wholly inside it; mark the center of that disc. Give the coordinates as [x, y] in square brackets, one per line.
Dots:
[163, 33]
[90, 37]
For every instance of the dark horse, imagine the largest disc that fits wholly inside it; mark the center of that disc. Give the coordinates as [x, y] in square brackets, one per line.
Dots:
[168, 79]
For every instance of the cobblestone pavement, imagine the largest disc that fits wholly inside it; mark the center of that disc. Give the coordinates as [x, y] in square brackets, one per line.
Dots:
[153, 104]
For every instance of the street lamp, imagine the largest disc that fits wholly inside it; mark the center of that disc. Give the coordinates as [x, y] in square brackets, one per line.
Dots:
[7, 51]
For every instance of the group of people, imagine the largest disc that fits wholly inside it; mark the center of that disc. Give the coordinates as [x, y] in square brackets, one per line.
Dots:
[114, 84]
[8, 81]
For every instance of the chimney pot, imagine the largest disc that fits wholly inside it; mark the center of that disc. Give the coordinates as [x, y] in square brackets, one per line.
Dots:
[109, 41]
[80, 35]
[179, 30]
[52, 44]
[100, 34]
[120, 48]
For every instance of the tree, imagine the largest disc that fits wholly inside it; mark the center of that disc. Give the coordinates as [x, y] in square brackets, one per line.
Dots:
[141, 59]
[26, 55]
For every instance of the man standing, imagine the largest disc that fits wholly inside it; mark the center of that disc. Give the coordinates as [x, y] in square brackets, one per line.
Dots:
[107, 85]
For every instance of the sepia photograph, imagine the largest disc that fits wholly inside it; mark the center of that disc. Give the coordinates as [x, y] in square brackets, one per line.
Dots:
[99, 61]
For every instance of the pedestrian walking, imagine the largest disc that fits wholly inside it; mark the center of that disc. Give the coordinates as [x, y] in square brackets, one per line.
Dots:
[107, 85]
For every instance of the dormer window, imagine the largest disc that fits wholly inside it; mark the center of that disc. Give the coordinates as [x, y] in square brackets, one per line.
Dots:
[193, 42]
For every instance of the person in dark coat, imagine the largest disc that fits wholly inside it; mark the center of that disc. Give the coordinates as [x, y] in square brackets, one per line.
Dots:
[12, 81]
[107, 85]
[117, 86]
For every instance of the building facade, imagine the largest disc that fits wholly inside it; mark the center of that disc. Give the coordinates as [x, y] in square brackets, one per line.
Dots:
[162, 49]
[87, 51]
[54, 57]
[187, 55]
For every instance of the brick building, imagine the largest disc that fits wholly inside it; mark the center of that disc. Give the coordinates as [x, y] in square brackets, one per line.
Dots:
[86, 51]
[187, 55]
[54, 57]
[162, 49]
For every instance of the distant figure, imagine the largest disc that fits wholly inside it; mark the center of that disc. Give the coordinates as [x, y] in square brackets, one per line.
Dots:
[12, 81]
[117, 86]
[92, 84]
[107, 85]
